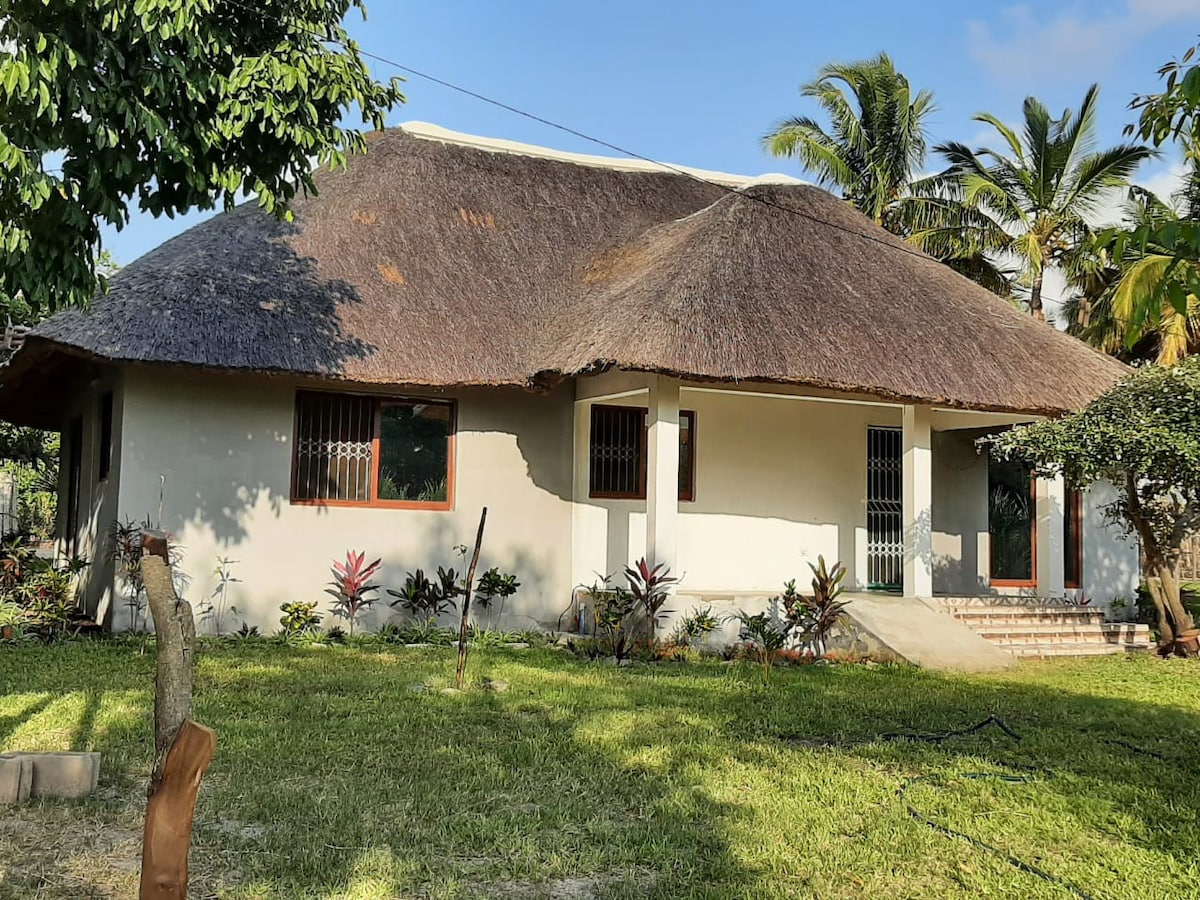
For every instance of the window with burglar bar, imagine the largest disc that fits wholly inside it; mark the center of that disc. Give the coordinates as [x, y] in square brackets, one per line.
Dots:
[617, 453]
[373, 451]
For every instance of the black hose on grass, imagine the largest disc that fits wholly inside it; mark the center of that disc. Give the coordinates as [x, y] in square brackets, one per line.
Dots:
[1031, 775]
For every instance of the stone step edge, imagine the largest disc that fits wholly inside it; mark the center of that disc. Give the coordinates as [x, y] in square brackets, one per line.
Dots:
[1031, 650]
[1053, 628]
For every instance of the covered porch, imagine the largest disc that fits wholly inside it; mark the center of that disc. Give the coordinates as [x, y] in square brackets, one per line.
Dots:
[737, 487]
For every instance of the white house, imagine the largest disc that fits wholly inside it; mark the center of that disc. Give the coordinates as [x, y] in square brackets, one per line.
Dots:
[729, 376]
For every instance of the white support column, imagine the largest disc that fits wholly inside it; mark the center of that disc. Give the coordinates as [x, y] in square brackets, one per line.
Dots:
[918, 502]
[662, 471]
[1051, 538]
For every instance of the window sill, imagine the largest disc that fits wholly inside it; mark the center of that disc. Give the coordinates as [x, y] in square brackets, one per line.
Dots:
[446, 506]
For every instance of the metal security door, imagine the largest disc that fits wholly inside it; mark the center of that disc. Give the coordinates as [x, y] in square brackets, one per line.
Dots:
[885, 527]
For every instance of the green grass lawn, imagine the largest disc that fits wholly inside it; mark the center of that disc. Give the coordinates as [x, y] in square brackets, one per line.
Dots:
[333, 778]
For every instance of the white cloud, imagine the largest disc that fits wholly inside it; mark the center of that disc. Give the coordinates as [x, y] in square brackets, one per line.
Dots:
[1028, 44]
[1165, 182]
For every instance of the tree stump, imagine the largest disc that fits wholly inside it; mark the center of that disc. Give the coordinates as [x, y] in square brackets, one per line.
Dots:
[183, 749]
[168, 831]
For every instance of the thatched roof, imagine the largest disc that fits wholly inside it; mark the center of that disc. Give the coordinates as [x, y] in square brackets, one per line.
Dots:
[434, 261]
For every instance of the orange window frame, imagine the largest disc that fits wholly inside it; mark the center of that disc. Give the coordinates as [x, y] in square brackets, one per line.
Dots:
[687, 493]
[1076, 547]
[373, 501]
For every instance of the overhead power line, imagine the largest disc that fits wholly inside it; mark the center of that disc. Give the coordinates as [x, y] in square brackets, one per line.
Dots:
[566, 129]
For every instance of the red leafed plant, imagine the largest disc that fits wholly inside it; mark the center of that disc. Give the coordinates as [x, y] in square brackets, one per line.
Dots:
[650, 587]
[351, 586]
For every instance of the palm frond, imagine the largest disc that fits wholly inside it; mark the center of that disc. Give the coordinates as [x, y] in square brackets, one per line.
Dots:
[1010, 136]
[818, 152]
[1100, 172]
[983, 271]
[1038, 125]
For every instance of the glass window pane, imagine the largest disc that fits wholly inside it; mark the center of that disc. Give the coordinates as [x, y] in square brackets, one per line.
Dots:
[1072, 537]
[686, 451]
[1010, 520]
[414, 451]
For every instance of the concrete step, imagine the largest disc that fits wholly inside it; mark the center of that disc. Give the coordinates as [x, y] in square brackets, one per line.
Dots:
[1045, 651]
[1043, 630]
[1111, 633]
[1005, 616]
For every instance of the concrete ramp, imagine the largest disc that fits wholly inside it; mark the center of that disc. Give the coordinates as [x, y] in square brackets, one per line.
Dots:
[918, 632]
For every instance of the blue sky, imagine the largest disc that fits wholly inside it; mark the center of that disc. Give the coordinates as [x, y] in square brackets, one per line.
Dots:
[697, 83]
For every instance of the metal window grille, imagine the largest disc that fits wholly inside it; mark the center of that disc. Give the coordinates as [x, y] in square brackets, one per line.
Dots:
[617, 452]
[334, 447]
[885, 498]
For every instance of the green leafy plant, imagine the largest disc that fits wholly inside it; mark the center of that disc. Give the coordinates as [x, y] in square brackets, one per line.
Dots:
[351, 587]
[495, 585]
[534, 637]
[614, 609]
[589, 647]
[426, 631]
[421, 597]
[216, 605]
[125, 552]
[765, 637]
[12, 621]
[650, 587]
[696, 625]
[390, 633]
[490, 639]
[44, 590]
[815, 617]
[30, 456]
[247, 633]
[298, 619]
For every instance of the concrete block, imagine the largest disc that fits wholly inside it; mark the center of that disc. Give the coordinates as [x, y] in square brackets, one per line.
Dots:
[16, 778]
[64, 774]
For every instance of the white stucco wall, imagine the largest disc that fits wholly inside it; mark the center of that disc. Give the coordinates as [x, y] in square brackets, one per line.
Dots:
[225, 447]
[779, 481]
[98, 497]
[1111, 559]
[960, 514]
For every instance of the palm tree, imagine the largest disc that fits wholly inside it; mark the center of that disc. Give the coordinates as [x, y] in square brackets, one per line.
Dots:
[1120, 305]
[1039, 198]
[873, 153]
[876, 142]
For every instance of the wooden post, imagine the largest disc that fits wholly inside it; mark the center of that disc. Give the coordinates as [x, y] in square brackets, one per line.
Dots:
[183, 749]
[168, 831]
[461, 671]
[175, 636]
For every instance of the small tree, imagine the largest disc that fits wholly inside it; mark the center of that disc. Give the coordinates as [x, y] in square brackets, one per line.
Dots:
[1143, 436]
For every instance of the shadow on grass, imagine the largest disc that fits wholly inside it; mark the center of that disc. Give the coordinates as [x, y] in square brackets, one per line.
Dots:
[334, 778]
[11, 722]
